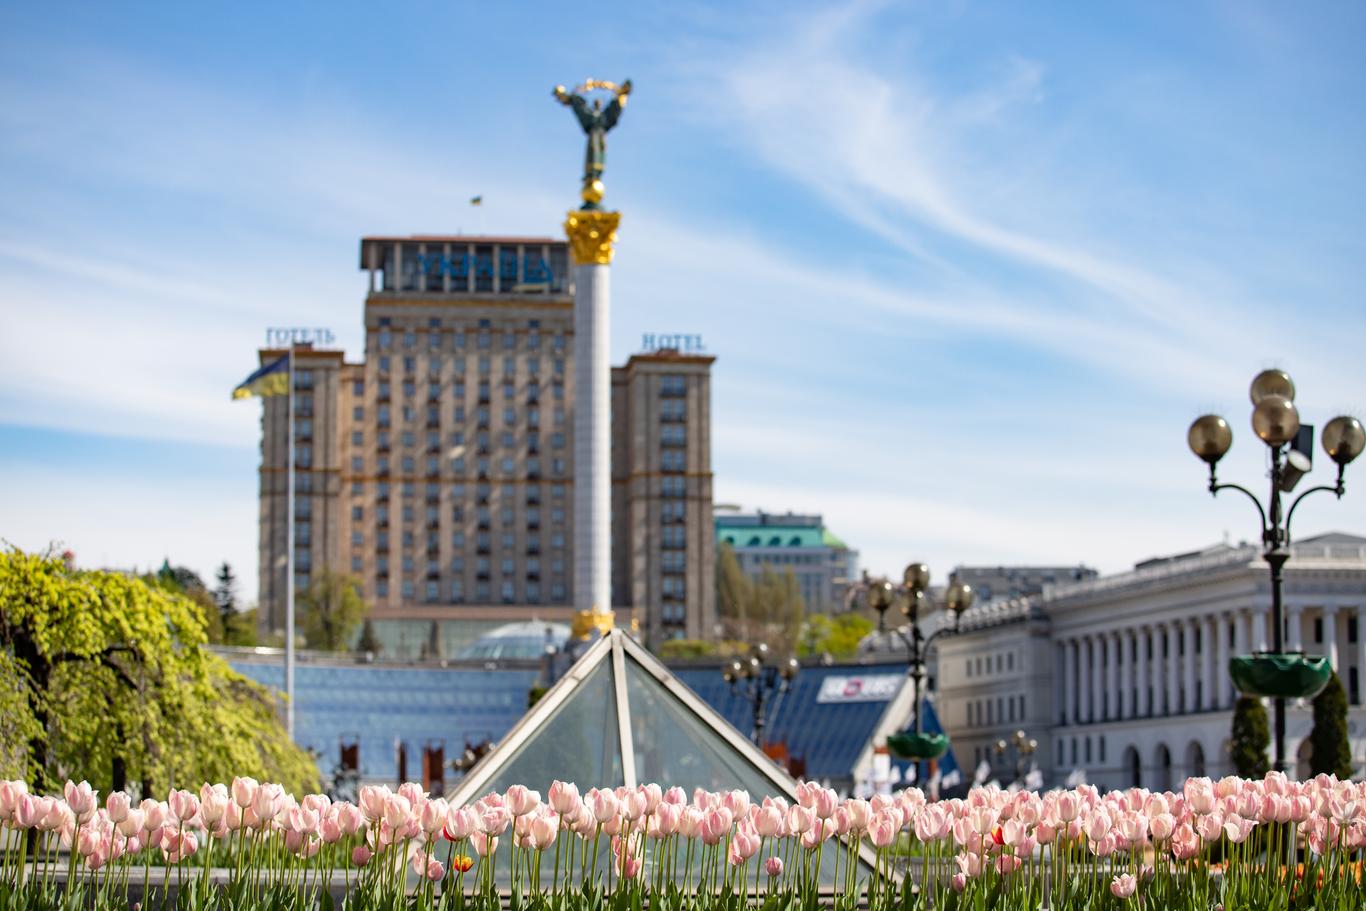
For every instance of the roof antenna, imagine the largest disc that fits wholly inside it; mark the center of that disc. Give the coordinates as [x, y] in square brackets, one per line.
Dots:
[1226, 537]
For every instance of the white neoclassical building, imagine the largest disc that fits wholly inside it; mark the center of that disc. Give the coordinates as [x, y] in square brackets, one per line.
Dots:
[1126, 676]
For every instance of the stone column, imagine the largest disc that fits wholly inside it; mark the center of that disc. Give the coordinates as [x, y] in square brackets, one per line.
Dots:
[1330, 635]
[1157, 675]
[1294, 638]
[1097, 677]
[1142, 674]
[1083, 679]
[1191, 703]
[591, 236]
[1111, 676]
[1210, 644]
[1125, 697]
[1060, 684]
[1068, 686]
[1222, 679]
[1259, 643]
[1361, 655]
[1173, 676]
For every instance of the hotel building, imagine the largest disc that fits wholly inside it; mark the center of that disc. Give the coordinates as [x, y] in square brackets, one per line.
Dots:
[439, 470]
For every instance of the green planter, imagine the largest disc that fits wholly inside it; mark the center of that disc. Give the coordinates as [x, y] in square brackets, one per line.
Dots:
[909, 745]
[1290, 676]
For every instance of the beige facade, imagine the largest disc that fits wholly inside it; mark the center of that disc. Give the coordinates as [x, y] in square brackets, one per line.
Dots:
[440, 469]
[663, 544]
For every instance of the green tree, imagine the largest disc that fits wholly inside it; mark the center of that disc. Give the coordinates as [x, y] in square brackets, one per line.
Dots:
[1250, 738]
[734, 591]
[332, 608]
[182, 580]
[115, 684]
[838, 636]
[369, 642]
[1329, 751]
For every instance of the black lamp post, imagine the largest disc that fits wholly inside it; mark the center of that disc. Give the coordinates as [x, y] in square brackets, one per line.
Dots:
[881, 594]
[756, 680]
[1024, 745]
[1276, 422]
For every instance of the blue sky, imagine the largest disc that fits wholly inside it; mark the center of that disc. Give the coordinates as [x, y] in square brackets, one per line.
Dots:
[969, 269]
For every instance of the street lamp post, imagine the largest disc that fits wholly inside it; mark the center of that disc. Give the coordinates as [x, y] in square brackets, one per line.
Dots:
[1024, 745]
[756, 680]
[1276, 422]
[881, 594]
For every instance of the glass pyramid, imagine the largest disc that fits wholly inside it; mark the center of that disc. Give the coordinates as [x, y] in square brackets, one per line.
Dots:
[619, 716]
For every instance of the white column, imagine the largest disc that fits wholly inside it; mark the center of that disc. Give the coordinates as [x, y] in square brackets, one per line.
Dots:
[1097, 677]
[1209, 643]
[1060, 684]
[592, 440]
[1124, 698]
[1069, 682]
[1190, 703]
[1083, 679]
[1259, 643]
[1361, 655]
[1224, 683]
[1142, 673]
[1241, 644]
[1330, 634]
[1158, 674]
[1173, 662]
[1111, 676]
[1294, 639]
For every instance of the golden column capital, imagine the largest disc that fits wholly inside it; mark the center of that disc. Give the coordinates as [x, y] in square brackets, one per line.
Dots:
[586, 621]
[591, 236]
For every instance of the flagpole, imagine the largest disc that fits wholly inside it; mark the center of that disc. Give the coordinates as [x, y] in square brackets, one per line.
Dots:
[289, 561]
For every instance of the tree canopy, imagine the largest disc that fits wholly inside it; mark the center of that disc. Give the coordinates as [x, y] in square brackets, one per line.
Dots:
[331, 608]
[1329, 751]
[768, 608]
[1250, 738]
[107, 678]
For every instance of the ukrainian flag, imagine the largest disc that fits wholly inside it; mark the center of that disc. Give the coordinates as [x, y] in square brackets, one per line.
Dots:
[272, 379]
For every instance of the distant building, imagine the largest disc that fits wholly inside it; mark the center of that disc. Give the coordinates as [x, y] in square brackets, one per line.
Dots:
[990, 583]
[440, 470]
[1125, 676]
[823, 565]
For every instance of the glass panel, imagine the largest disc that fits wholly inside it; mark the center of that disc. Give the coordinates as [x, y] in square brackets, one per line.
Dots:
[675, 747]
[578, 742]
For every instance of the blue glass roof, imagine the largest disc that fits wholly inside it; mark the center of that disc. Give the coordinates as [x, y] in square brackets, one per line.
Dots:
[827, 736]
[380, 706]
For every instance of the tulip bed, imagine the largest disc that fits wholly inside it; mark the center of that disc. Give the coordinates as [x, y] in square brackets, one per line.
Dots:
[1272, 843]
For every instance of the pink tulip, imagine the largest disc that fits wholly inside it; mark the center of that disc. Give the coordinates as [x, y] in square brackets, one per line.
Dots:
[1098, 825]
[737, 802]
[373, 799]
[82, 800]
[484, 845]
[882, 829]
[1163, 826]
[824, 802]
[768, 821]
[1123, 886]
[183, 804]
[633, 805]
[244, 791]
[521, 801]
[1069, 805]
[800, 819]
[774, 866]
[543, 831]
[667, 819]
[563, 798]
[360, 856]
[268, 801]
[603, 803]
[676, 796]
[117, 805]
[690, 823]
[654, 796]
[958, 882]
[10, 794]
[28, 811]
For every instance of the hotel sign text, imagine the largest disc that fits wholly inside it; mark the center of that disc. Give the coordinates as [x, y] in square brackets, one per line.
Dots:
[284, 336]
[672, 341]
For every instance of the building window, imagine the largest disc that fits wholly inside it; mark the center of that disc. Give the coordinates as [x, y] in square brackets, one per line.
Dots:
[382, 588]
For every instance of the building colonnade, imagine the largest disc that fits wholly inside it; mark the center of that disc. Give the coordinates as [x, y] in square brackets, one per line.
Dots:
[1179, 665]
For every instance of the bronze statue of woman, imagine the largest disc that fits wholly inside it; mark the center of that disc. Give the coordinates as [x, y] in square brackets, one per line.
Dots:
[596, 120]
